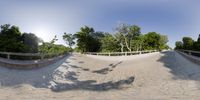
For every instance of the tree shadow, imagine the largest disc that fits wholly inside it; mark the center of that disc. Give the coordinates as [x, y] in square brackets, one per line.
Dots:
[81, 62]
[38, 78]
[84, 69]
[91, 85]
[58, 77]
[107, 69]
[183, 71]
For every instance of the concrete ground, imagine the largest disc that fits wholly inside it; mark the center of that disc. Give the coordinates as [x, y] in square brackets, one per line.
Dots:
[155, 76]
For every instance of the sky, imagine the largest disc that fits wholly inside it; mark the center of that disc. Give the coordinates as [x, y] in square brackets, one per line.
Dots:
[47, 18]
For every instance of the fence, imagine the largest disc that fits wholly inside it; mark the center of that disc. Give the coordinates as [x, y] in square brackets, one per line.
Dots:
[190, 52]
[120, 53]
[28, 60]
[26, 56]
[193, 56]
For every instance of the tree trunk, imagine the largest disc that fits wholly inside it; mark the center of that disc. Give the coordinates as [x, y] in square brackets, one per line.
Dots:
[126, 42]
[122, 47]
[140, 47]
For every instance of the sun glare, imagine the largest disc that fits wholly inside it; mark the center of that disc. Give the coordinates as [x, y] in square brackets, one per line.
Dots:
[43, 33]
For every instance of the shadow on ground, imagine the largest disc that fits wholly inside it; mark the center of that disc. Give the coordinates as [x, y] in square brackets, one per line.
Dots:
[107, 69]
[92, 85]
[180, 67]
[47, 77]
[38, 78]
[84, 69]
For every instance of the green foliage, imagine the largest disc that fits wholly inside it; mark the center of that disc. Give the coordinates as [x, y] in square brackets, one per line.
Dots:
[30, 41]
[109, 44]
[88, 40]
[179, 45]
[69, 39]
[120, 39]
[188, 44]
[84, 38]
[196, 46]
[51, 48]
[163, 42]
[137, 44]
[127, 38]
[152, 41]
[10, 39]
[126, 33]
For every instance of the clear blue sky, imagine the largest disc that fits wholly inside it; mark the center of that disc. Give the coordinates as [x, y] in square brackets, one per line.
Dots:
[46, 18]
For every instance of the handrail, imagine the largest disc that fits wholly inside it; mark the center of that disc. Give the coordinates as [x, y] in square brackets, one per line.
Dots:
[190, 51]
[120, 53]
[41, 55]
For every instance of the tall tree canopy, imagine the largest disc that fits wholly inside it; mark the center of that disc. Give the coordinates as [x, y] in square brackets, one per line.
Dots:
[179, 45]
[152, 41]
[187, 42]
[69, 39]
[10, 39]
[127, 33]
[126, 38]
[109, 44]
[88, 40]
[30, 41]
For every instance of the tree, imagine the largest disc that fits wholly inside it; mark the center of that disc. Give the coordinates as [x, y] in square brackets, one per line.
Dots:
[10, 39]
[179, 45]
[187, 43]
[198, 40]
[123, 31]
[88, 40]
[152, 41]
[54, 40]
[120, 40]
[83, 38]
[133, 35]
[69, 39]
[46, 46]
[53, 49]
[138, 43]
[95, 43]
[31, 41]
[128, 33]
[109, 44]
[163, 41]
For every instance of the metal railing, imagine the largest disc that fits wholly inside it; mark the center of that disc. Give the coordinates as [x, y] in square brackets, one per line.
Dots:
[120, 53]
[191, 52]
[31, 55]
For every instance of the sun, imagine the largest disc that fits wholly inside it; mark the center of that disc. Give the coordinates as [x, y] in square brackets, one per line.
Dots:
[42, 32]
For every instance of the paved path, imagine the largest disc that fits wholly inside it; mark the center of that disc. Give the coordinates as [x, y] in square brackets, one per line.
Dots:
[153, 76]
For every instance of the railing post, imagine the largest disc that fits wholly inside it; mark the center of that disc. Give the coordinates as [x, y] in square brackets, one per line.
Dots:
[189, 52]
[42, 56]
[8, 56]
[109, 53]
[125, 53]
